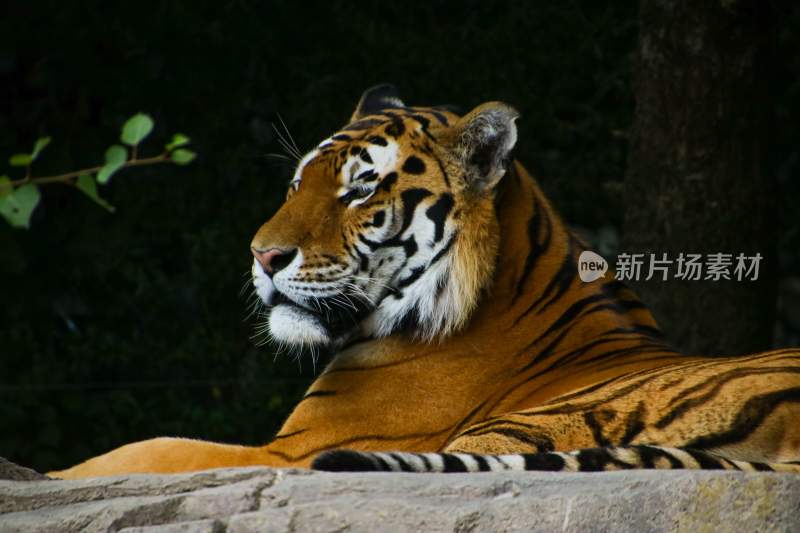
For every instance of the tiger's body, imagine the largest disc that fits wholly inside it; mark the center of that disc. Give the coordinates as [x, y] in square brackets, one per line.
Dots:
[412, 244]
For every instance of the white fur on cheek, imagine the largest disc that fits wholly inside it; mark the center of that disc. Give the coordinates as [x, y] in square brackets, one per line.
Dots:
[291, 325]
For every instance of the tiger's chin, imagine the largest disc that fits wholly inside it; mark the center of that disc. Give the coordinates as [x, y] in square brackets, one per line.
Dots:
[297, 327]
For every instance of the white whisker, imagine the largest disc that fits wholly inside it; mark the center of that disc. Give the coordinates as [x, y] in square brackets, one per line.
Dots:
[289, 134]
[286, 145]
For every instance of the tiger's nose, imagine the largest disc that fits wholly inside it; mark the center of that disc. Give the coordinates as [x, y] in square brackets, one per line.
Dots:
[273, 260]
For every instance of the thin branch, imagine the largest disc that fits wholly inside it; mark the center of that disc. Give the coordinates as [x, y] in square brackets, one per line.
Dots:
[163, 158]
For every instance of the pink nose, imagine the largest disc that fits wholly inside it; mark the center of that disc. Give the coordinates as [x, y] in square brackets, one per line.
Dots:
[273, 260]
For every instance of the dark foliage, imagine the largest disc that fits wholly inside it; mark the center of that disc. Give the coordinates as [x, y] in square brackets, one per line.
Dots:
[115, 328]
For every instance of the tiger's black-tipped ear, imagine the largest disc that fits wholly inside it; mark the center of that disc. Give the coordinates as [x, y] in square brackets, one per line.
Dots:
[375, 99]
[483, 139]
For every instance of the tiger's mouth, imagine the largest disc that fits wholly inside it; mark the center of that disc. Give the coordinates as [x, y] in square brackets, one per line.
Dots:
[321, 321]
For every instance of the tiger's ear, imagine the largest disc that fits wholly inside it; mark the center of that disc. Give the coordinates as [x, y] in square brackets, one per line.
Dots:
[483, 140]
[375, 99]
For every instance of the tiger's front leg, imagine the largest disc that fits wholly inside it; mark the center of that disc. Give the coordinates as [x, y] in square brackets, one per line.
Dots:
[170, 455]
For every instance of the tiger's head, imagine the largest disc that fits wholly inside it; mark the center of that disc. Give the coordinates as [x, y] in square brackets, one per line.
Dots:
[388, 225]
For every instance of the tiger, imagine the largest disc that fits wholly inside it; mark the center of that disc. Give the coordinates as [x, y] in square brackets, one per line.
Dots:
[414, 248]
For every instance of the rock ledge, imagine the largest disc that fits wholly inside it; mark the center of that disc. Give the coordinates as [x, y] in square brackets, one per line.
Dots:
[272, 500]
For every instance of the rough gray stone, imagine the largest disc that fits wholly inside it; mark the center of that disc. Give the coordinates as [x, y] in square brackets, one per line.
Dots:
[9, 470]
[270, 500]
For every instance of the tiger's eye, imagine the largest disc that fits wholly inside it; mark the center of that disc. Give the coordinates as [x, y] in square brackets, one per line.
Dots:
[355, 193]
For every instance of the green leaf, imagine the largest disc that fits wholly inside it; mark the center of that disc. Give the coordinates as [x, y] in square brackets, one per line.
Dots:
[179, 139]
[182, 156]
[116, 156]
[5, 186]
[88, 186]
[40, 145]
[20, 160]
[136, 128]
[18, 206]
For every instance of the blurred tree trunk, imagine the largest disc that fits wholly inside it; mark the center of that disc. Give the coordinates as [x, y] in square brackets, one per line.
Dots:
[695, 181]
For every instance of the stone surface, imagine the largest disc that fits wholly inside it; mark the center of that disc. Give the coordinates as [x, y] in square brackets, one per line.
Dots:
[9, 470]
[269, 500]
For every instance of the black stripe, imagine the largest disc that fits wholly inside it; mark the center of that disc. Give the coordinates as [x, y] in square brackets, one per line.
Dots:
[438, 213]
[385, 466]
[453, 463]
[396, 128]
[705, 460]
[424, 123]
[488, 426]
[377, 220]
[538, 443]
[467, 419]
[367, 176]
[649, 454]
[344, 461]
[411, 198]
[558, 285]
[598, 460]
[568, 272]
[544, 461]
[572, 311]
[483, 464]
[416, 273]
[442, 169]
[536, 248]
[634, 424]
[404, 466]
[541, 355]
[439, 116]
[727, 462]
[656, 348]
[596, 429]
[444, 250]
[377, 140]
[371, 244]
[425, 461]
[387, 182]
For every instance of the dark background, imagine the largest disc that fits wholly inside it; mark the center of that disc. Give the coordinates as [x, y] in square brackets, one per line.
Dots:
[120, 327]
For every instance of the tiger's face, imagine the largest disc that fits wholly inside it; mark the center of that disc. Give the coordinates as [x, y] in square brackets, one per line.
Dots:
[388, 225]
